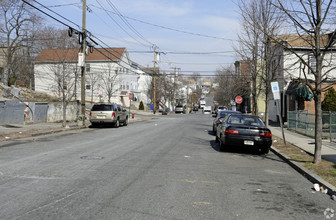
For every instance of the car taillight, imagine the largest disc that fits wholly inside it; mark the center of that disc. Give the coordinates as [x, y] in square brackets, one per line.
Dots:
[231, 131]
[90, 114]
[265, 134]
[113, 114]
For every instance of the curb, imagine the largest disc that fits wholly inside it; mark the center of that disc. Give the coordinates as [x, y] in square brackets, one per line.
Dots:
[312, 177]
[57, 131]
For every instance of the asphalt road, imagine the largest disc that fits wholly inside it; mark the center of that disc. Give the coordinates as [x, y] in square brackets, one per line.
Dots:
[165, 168]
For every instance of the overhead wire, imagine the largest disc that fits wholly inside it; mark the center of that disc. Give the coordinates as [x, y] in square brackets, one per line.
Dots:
[127, 23]
[92, 36]
[108, 14]
[70, 27]
[173, 29]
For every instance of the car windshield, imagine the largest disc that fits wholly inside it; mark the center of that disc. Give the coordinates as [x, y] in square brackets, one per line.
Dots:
[245, 120]
[223, 114]
[103, 108]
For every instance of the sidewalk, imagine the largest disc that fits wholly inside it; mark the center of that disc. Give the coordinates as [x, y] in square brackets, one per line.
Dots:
[16, 131]
[306, 143]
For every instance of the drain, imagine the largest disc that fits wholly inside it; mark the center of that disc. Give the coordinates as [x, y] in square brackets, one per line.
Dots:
[91, 157]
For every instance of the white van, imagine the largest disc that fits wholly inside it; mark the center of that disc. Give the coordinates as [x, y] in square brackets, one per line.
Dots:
[207, 109]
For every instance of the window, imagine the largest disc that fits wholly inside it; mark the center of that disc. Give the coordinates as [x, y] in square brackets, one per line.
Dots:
[87, 68]
[312, 63]
[88, 87]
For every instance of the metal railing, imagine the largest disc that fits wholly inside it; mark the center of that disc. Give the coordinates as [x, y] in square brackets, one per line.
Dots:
[304, 123]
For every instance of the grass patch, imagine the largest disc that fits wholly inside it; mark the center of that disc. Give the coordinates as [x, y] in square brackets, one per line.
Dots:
[325, 169]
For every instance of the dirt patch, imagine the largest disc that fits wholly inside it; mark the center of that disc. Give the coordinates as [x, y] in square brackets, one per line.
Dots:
[325, 169]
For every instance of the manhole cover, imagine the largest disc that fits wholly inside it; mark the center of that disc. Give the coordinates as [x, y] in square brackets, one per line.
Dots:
[92, 157]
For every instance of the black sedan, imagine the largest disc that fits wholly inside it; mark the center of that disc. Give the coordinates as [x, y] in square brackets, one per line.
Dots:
[221, 115]
[244, 130]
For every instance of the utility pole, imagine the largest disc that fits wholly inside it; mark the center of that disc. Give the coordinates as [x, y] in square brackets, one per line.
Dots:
[154, 76]
[82, 118]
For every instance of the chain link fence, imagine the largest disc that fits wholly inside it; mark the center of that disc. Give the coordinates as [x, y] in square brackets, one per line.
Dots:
[304, 123]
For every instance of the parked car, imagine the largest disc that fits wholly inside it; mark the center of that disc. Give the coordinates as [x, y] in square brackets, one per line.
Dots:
[244, 130]
[108, 113]
[195, 108]
[221, 115]
[220, 108]
[179, 109]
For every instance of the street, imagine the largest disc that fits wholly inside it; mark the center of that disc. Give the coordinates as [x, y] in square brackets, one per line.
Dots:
[165, 168]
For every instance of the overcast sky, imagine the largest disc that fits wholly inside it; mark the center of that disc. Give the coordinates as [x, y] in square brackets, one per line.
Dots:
[183, 30]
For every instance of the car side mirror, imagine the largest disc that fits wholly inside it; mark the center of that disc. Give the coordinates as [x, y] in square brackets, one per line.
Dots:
[221, 120]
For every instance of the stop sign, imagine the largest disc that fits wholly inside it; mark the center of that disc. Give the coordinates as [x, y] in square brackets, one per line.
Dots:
[239, 99]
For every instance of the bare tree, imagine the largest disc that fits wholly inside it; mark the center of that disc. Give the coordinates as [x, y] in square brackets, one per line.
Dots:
[230, 85]
[62, 76]
[309, 20]
[260, 19]
[16, 21]
[110, 80]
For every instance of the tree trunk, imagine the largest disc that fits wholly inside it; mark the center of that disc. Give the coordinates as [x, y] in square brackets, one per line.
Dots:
[318, 128]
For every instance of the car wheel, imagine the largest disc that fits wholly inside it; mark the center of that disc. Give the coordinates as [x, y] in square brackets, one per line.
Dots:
[126, 122]
[264, 150]
[93, 125]
[117, 123]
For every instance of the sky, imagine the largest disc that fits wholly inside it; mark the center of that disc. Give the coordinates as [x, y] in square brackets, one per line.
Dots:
[191, 35]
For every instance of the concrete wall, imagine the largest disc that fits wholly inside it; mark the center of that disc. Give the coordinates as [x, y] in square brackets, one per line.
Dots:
[55, 111]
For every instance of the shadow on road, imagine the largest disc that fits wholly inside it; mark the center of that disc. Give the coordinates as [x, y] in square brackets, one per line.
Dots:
[245, 152]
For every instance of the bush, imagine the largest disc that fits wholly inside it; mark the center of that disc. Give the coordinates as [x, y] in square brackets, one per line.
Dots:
[141, 106]
[329, 102]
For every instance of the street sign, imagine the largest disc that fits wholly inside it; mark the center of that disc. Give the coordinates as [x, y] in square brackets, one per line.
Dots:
[130, 96]
[239, 99]
[275, 90]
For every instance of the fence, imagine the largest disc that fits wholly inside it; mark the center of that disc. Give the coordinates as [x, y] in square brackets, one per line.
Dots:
[304, 123]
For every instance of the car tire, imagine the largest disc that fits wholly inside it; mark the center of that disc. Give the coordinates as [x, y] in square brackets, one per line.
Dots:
[94, 125]
[126, 122]
[117, 123]
[264, 150]
[217, 140]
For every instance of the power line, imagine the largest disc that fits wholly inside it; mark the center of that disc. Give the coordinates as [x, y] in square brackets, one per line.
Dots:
[127, 23]
[108, 14]
[172, 29]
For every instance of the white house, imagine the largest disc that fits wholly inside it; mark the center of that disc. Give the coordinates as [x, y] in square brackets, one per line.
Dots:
[289, 71]
[109, 73]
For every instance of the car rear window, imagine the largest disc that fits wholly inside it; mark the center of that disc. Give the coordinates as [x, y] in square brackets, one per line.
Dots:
[103, 108]
[245, 120]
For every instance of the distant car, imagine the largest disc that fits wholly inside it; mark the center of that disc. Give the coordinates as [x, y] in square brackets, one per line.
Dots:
[244, 130]
[179, 109]
[220, 108]
[207, 109]
[195, 108]
[220, 116]
[108, 113]
[166, 111]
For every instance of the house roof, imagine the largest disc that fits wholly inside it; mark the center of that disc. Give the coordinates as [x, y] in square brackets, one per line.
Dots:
[71, 55]
[303, 40]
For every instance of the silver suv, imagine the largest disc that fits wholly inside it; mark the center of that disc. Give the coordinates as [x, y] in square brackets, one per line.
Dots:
[108, 113]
